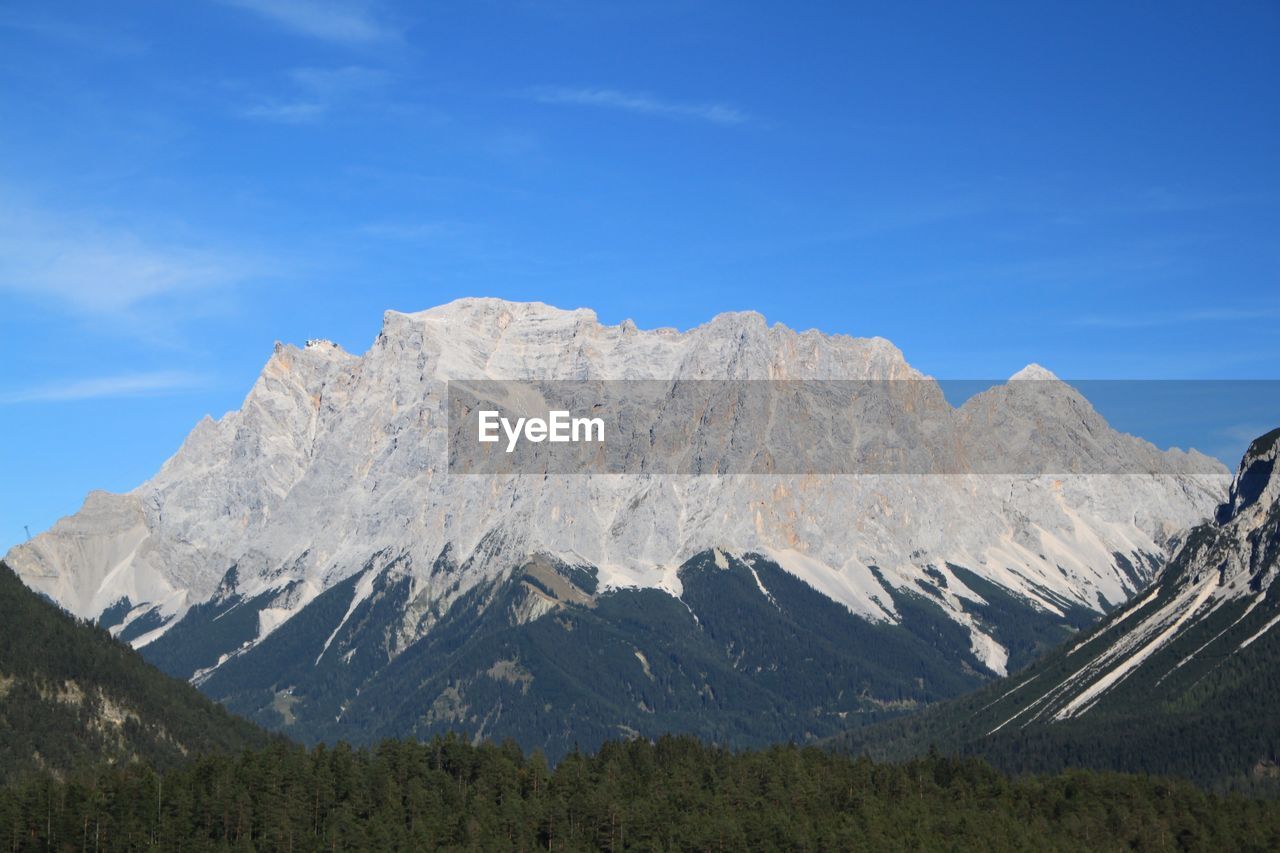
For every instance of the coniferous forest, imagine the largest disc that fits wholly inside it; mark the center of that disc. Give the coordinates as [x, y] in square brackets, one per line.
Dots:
[673, 794]
[78, 778]
[72, 695]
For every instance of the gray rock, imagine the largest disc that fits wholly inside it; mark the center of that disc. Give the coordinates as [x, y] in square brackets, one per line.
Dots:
[335, 458]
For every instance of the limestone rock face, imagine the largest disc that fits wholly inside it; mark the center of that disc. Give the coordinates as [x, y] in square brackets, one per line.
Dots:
[1191, 660]
[337, 462]
[1213, 601]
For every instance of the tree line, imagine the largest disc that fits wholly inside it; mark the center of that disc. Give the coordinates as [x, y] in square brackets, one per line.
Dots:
[675, 793]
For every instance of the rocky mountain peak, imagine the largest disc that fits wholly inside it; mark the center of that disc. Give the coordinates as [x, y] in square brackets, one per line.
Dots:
[1257, 481]
[1033, 371]
[337, 465]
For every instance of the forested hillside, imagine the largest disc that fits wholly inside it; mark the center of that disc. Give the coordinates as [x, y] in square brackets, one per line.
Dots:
[1223, 732]
[1184, 680]
[725, 661]
[71, 695]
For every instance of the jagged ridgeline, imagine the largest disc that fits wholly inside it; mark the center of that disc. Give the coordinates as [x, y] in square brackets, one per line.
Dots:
[312, 560]
[748, 655]
[1185, 680]
[72, 696]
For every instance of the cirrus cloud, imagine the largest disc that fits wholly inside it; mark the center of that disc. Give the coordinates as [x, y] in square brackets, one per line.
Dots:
[125, 385]
[342, 21]
[640, 103]
[132, 277]
[316, 91]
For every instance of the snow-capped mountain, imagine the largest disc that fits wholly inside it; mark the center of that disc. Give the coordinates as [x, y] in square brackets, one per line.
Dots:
[327, 497]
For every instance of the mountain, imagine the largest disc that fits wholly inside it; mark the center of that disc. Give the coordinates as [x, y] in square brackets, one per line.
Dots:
[313, 559]
[1185, 679]
[72, 696]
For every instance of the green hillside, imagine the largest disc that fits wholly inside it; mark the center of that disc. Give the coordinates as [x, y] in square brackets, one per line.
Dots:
[71, 695]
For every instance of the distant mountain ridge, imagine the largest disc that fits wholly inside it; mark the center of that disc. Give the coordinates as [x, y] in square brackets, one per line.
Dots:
[297, 552]
[1185, 679]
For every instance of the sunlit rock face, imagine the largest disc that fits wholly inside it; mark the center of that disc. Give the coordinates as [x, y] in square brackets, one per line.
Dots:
[336, 466]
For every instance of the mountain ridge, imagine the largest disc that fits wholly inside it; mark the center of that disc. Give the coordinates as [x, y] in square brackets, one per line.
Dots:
[334, 473]
[1181, 680]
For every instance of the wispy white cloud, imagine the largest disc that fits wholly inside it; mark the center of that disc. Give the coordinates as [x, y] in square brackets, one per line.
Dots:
[103, 271]
[125, 385]
[79, 34]
[1231, 442]
[333, 82]
[1175, 318]
[107, 274]
[411, 231]
[341, 21]
[286, 112]
[1244, 433]
[640, 103]
[316, 91]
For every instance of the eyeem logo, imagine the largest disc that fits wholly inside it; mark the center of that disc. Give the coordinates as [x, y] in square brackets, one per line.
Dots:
[558, 427]
[819, 427]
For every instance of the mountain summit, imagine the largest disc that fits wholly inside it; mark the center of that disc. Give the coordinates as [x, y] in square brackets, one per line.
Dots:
[319, 527]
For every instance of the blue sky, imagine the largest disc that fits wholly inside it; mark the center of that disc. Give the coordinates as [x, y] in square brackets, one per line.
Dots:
[1091, 186]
